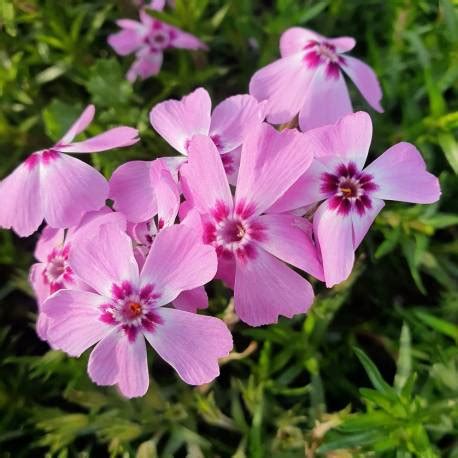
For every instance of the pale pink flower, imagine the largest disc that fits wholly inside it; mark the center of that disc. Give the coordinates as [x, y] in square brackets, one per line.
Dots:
[148, 39]
[353, 195]
[57, 187]
[53, 271]
[128, 307]
[308, 80]
[177, 121]
[252, 243]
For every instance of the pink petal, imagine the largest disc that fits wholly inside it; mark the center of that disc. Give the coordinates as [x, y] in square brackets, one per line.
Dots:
[289, 238]
[117, 360]
[177, 121]
[305, 191]
[49, 239]
[271, 163]
[226, 271]
[192, 300]
[335, 236]
[146, 64]
[361, 224]
[178, 261]
[295, 39]
[400, 172]
[132, 190]
[117, 137]
[79, 125]
[232, 119]
[168, 199]
[266, 288]
[349, 139]
[40, 288]
[20, 195]
[70, 188]
[42, 326]
[205, 176]
[326, 100]
[74, 323]
[342, 44]
[193, 220]
[231, 163]
[90, 225]
[365, 80]
[284, 83]
[104, 257]
[126, 41]
[185, 40]
[191, 344]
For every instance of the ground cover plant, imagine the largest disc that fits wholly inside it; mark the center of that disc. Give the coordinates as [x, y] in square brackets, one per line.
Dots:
[371, 368]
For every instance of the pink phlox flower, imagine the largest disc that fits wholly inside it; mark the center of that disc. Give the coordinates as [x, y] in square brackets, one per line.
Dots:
[148, 39]
[253, 244]
[57, 187]
[127, 307]
[177, 121]
[53, 271]
[352, 194]
[308, 80]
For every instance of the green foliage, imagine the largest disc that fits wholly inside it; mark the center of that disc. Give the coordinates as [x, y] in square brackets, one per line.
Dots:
[298, 387]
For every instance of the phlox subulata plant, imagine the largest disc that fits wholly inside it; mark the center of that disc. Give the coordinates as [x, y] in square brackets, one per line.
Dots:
[257, 206]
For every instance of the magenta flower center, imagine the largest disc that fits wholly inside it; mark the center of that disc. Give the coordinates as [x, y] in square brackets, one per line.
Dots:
[324, 53]
[57, 272]
[44, 157]
[132, 308]
[348, 189]
[233, 232]
[159, 37]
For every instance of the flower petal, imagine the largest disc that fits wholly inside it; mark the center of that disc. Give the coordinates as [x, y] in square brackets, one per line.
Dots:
[20, 195]
[283, 84]
[266, 288]
[178, 261]
[70, 188]
[79, 125]
[205, 177]
[103, 257]
[289, 238]
[347, 140]
[74, 323]
[191, 344]
[326, 100]
[168, 199]
[40, 288]
[271, 163]
[365, 80]
[305, 191]
[232, 119]
[361, 224]
[117, 137]
[146, 64]
[177, 121]
[192, 300]
[132, 190]
[184, 40]
[334, 234]
[49, 239]
[400, 173]
[118, 360]
[295, 39]
[128, 40]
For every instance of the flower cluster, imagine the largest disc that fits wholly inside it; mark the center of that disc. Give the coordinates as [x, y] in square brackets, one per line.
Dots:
[246, 203]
